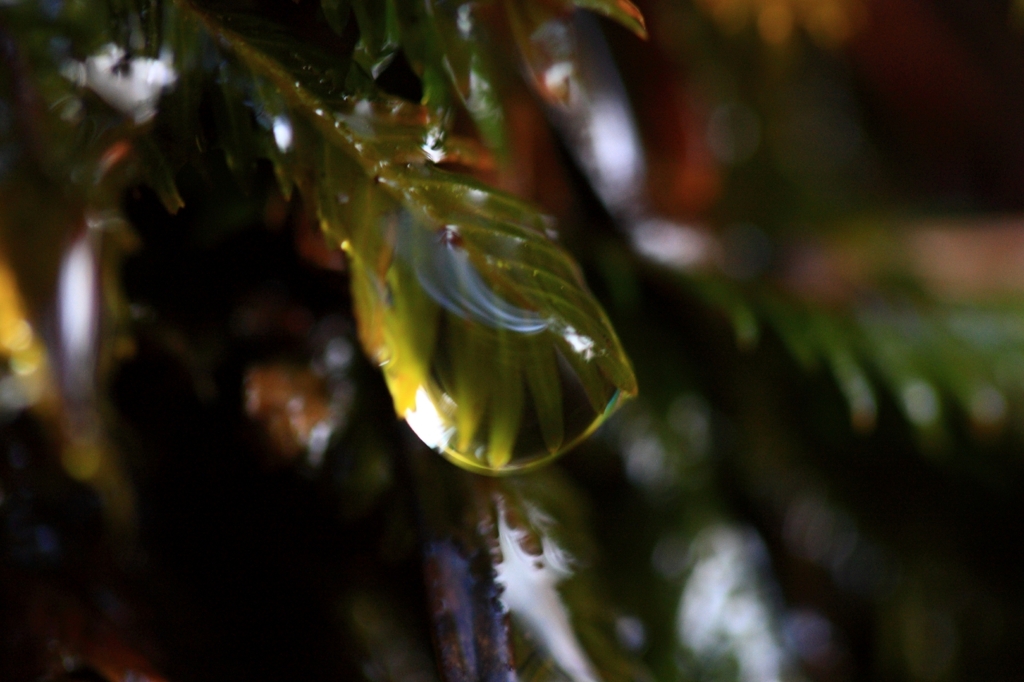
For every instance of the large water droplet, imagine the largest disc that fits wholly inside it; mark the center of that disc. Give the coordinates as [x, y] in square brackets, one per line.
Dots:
[478, 369]
[494, 351]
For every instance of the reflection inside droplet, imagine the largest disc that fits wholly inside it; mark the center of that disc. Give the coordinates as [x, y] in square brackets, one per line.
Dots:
[427, 423]
[489, 408]
[452, 280]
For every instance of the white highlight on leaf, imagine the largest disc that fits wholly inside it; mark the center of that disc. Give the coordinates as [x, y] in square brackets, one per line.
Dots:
[672, 244]
[427, 423]
[558, 76]
[531, 595]
[132, 86]
[433, 144]
[584, 345]
[618, 161]
[464, 21]
[723, 611]
[283, 133]
[920, 402]
[78, 314]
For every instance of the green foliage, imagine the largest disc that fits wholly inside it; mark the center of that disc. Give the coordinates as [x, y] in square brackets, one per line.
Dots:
[922, 351]
[448, 275]
[492, 348]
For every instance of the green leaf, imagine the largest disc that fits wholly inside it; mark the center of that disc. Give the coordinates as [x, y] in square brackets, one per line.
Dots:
[456, 286]
[468, 60]
[379, 38]
[421, 47]
[622, 11]
[921, 351]
[544, 36]
[501, 293]
[544, 33]
[337, 13]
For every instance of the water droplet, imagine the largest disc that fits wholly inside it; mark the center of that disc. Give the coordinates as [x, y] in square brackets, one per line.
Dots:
[482, 375]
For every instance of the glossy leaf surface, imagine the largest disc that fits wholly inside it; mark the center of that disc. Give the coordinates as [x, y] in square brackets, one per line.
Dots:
[456, 48]
[495, 352]
[928, 355]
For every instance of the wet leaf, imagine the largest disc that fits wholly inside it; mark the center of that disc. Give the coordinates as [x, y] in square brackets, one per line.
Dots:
[74, 152]
[547, 42]
[543, 34]
[920, 351]
[466, 45]
[562, 624]
[458, 288]
[511, 581]
[379, 38]
[448, 277]
[461, 304]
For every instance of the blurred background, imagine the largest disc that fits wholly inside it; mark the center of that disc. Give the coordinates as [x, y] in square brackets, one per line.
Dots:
[805, 219]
